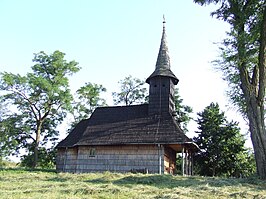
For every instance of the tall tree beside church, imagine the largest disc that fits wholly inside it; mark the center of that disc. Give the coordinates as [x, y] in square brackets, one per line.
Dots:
[41, 99]
[132, 91]
[222, 146]
[243, 63]
[88, 97]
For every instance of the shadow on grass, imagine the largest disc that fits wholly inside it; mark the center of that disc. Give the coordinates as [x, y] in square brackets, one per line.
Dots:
[101, 180]
[169, 181]
[21, 169]
[58, 179]
[160, 181]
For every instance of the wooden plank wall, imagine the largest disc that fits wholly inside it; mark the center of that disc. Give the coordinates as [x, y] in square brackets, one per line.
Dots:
[111, 158]
[66, 159]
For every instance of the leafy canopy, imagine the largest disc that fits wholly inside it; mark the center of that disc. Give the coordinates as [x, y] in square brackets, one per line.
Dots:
[37, 102]
[88, 97]
[222, 146]
[243, 62]
[132, 91]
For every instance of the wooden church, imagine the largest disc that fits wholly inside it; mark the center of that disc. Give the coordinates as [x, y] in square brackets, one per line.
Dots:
[138, 138]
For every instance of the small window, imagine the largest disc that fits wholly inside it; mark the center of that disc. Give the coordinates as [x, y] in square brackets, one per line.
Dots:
[92, 152]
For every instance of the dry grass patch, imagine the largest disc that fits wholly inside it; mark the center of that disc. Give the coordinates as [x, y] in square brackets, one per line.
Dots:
[17, 183]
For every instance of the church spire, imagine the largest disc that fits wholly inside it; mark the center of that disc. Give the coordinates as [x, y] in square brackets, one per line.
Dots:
[162, 82]
[163, 66]
[163, 59]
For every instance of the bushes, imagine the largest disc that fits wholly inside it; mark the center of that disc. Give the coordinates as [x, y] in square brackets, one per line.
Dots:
[46, 159]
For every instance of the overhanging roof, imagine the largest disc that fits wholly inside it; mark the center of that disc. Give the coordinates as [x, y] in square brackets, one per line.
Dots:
[125, 125]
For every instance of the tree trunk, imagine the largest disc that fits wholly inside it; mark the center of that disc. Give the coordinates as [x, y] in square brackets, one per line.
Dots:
[255, 113]
[254, 93]
[36, 145]
[256, 109]
[258, 136]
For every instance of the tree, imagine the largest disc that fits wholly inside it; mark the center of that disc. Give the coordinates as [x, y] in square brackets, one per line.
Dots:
[183, 111]
[41, 98]
[88, 98]
[47, 158]
[222, 146]
[243, 63]
[8, 131]
[132, 91]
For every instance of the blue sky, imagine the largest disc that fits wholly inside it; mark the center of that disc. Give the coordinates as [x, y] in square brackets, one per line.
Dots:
[114, 39]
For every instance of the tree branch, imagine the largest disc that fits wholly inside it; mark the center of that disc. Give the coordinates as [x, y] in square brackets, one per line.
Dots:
[32, 106]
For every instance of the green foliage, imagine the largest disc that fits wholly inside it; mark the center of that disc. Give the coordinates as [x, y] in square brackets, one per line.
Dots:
[13, 133]
[40, 100]
[183, 111]
[222, 146]
[46, 159]
[132, 91]
[242, 62]
[178, 170]
[241, 47]
[15, 183]
[88, 98]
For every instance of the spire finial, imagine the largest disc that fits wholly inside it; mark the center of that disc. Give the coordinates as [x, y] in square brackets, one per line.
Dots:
[164, 22]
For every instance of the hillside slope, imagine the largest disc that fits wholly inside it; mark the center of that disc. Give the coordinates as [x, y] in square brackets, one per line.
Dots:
[39, 184]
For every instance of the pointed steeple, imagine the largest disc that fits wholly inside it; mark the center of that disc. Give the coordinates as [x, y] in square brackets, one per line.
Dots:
[163, 66]
[162, 83]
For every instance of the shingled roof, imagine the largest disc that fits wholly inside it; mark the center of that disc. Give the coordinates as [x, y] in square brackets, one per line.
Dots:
[125, 125]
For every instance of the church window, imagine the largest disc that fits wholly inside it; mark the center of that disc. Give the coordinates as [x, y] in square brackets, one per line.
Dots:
[92, 152]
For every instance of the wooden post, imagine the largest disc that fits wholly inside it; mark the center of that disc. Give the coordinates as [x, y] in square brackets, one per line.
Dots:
[183, 162]
[160, 159]
[189, 163]
[186, 163]
[190, 159]
[192, 165]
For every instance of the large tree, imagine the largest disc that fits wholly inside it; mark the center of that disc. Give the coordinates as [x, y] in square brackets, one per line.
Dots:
[243, 63]
[132, 91]
[39, 100]
[87, 98]
[222, 146]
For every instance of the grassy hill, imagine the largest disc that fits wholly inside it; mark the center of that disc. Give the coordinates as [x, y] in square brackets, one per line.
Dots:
[18, 183]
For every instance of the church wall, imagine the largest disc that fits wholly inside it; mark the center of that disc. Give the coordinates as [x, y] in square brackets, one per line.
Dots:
[66, 159]
[128, 158]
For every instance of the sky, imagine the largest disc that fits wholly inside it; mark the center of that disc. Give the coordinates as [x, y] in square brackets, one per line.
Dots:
[114, 39]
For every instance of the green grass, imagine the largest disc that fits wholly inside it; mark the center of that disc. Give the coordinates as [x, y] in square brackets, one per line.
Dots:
[19, 183]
